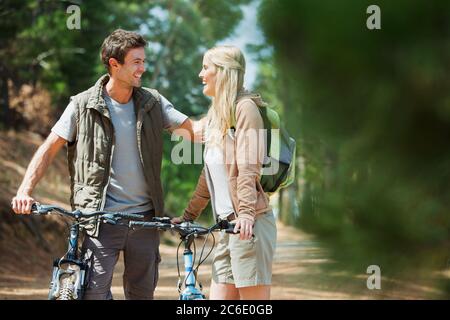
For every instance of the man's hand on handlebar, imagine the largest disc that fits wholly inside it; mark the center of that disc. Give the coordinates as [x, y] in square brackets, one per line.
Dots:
[21, 204]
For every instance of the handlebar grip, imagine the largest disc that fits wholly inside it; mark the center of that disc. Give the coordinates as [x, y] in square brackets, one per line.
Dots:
[162, 219]
[226, 226]
[150, 224]
[135, 223]
[230, 229]
[130, 215]
[38, 209]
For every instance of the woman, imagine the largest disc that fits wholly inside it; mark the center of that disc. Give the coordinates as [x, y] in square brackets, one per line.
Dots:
[242, 266]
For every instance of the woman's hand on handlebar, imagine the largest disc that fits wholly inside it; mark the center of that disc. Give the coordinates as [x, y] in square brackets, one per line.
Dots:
[177, 220]
[245, 228]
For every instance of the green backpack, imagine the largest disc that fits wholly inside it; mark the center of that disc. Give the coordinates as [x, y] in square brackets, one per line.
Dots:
[279, 171]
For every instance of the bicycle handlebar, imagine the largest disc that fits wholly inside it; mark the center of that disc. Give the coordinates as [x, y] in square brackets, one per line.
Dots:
[185, 228]
[40, 209]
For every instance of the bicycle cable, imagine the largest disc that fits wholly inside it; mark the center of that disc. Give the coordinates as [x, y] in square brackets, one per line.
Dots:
[178, 268]
[68, 249]
[209, 253]
[80, 224]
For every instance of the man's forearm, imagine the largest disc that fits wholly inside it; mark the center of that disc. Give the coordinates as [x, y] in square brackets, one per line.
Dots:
[36, 169]
[22, 202]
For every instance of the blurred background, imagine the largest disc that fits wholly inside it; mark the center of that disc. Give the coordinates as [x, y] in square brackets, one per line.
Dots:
[369, 109]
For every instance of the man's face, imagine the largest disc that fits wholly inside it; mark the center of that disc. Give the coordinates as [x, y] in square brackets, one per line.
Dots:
[130, 72]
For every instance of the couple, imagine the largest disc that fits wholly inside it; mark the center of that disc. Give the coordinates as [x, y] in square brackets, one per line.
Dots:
[113, 132]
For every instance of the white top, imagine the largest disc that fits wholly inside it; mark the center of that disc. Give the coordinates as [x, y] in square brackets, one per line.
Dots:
[218, 186]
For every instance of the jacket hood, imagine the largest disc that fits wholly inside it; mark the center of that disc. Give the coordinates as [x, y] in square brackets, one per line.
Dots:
[256, 97]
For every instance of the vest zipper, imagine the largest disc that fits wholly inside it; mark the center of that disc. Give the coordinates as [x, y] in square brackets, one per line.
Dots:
[139, 124]
[108, 171]
[138, 133]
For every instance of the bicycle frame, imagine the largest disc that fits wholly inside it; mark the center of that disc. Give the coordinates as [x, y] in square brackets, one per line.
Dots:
[187, 232]
[190, 292]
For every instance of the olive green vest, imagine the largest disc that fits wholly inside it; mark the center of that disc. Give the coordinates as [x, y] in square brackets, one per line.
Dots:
[90, 155]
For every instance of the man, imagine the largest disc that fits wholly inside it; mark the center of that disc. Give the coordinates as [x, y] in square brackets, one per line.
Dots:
[114, 136]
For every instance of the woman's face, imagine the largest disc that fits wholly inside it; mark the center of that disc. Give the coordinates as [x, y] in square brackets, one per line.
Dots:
[208, 76]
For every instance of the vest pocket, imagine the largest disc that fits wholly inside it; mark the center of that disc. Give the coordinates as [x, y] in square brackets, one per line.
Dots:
[86, 196]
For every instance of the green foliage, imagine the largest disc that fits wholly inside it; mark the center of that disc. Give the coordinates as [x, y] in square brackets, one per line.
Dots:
[40, 48]
[180, 32]
[371, 113]
[37, 47]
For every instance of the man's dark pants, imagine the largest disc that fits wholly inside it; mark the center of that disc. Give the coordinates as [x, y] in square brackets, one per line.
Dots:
[141, 259]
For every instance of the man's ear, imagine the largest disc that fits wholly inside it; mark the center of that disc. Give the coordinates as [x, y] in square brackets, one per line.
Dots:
[113, 63]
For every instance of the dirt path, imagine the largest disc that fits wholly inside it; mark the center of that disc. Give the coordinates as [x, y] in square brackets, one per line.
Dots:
[297, 274]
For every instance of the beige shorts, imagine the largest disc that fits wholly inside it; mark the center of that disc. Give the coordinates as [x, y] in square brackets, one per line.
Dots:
[246, 263]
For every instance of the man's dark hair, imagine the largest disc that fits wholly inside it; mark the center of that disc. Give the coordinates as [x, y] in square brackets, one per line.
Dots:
[117, 45]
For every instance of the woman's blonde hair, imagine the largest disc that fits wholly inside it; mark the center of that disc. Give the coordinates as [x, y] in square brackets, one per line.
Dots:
[230, 69]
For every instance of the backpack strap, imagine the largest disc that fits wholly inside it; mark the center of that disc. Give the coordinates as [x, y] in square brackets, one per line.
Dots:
[266, 123]
[268, 127]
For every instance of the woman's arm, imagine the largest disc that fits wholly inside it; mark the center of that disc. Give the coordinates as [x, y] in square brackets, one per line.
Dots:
[199, 199]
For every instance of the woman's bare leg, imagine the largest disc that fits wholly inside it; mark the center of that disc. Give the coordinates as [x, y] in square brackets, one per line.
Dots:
[223, 291]
[255, 293]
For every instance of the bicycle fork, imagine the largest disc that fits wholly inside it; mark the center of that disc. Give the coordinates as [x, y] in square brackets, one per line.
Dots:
[76, 273]
[72, 277]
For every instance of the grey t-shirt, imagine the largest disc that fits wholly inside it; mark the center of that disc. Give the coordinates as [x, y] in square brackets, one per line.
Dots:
[127, 190]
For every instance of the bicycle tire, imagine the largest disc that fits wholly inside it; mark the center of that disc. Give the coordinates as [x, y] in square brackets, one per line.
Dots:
[69, 285]
[67, 289]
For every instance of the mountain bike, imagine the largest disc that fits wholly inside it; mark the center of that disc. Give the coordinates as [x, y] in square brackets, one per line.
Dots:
[69, 276]
[188, 231]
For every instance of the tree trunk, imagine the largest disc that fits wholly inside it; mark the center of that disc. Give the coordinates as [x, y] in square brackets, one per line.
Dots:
[5, 114]
[280, 204]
